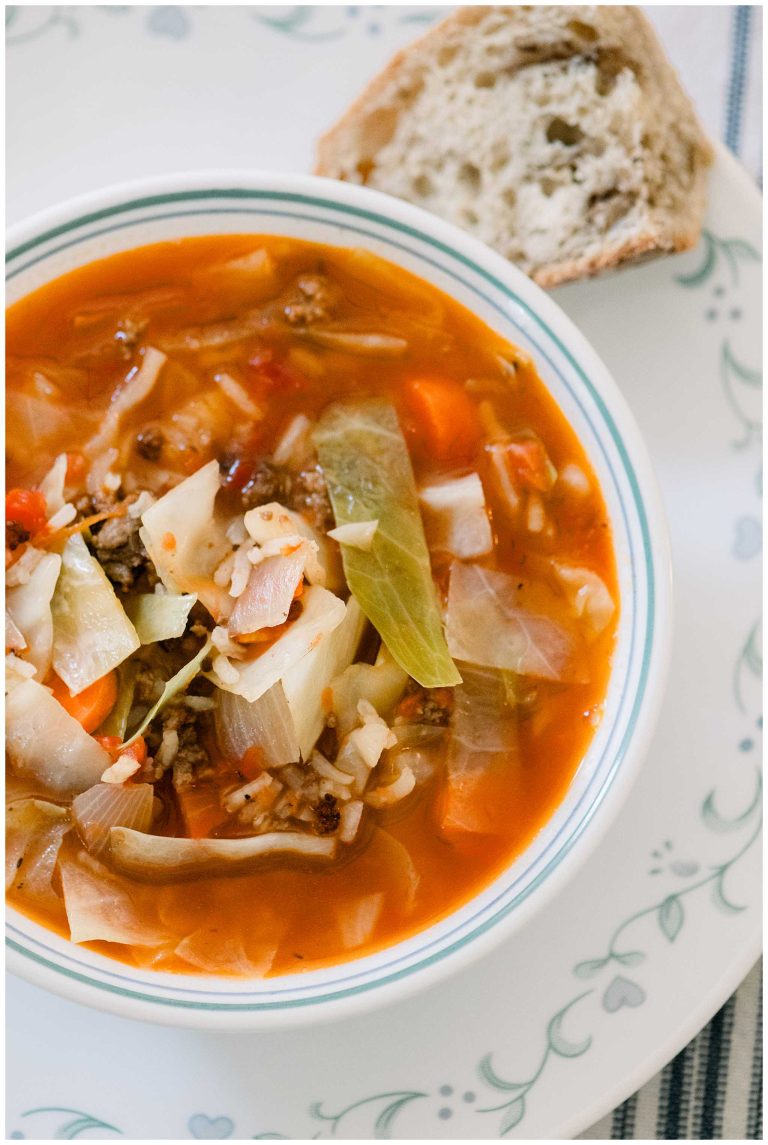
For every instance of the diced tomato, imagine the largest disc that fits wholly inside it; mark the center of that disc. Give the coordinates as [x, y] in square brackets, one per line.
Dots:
[271, 375]
[91, 706]
[26, 508]
[444, 418]
[528, 464]
[237, 473]
[109, 743]
[137, 750]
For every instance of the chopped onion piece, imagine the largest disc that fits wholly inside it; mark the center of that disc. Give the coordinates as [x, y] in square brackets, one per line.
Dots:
[358, 534]
[268, 595]
[34, 831]
[266, 723]
[146, 856]
[44, 741]
[29, 610]
[185, 541]
[485, 625]
[107, 805]
[455, 517]
[322, 612]
[358, 920]
[91, 633]
[159, 615]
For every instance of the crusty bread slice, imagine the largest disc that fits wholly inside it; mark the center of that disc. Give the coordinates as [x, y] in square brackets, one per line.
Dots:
[560, 135]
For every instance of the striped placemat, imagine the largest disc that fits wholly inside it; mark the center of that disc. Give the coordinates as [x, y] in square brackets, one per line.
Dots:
[712, 1090]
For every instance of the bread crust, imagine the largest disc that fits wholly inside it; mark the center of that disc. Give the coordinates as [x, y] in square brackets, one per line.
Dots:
[377, 110]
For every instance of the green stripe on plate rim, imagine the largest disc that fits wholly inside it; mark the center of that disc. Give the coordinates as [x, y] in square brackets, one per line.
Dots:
[245, 195]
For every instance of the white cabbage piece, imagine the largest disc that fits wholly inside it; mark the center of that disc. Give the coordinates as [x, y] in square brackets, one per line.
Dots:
[186, 542]
[218, 953]
[455, 517]
[146, 856]
[173, 687]
[322, 612]
[14, 637]
[483, 743]
[91, 633]
[587, 594]
[358, 534]
[52, 485]
[305, 683]
[34, 831]
[357, 920]
[267, 597]
[102, 908]
[45, 742]
[381, 684]
[485, 625]
[29, 607]
[266, 723]
[159, 615]
[16, 671]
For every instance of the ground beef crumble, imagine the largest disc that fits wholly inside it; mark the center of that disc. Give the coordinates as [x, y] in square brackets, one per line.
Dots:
[119, 550]
[313, 299]
[327, 815]
[15, 535]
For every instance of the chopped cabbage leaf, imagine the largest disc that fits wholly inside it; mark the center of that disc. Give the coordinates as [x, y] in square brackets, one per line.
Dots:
[146, 856]
[365, 460]
[91, 633]
[159, 615]
[29, 607]
[45, 742]
[321, 613]
[305, 683]
[455, 517]
[381, 684]
[176, 684]
[186, 542]
[483, 745]
[34, 831]
[486, 625]
[100, 908]
[116, 723]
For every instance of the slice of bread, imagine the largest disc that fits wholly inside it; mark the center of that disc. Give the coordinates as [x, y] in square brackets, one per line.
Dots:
[560, 135]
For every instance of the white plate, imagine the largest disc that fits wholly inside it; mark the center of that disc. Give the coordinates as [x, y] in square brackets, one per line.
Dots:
[617, 973]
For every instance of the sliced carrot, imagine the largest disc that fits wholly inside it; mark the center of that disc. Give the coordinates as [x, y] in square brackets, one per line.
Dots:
[474, 803]
[445, 417]
[252, 763]
[91, 706]
[201, 809]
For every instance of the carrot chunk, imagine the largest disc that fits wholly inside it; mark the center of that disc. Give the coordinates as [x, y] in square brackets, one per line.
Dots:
[445, 417]
[91, 706]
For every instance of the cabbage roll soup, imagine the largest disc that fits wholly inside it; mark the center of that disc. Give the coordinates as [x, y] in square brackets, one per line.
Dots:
[311, 602]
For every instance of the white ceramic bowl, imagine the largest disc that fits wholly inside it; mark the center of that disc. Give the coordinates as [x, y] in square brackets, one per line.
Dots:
[132, 215]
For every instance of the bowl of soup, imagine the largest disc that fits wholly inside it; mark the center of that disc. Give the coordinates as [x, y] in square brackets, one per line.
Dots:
[337, 595]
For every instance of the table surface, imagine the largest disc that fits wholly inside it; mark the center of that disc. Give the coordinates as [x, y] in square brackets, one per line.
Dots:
[725, 84]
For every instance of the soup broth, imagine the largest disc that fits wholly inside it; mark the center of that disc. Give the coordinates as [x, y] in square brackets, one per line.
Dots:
[427, 752]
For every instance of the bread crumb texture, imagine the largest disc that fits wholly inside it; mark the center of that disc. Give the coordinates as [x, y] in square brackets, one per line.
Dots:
[559, 135]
